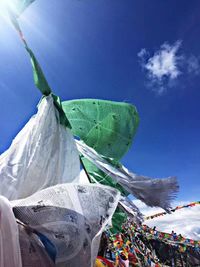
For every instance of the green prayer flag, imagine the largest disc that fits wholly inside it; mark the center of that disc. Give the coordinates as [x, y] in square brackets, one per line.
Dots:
[106, 126]
[118, 219]
[39, 78]
[97, 175]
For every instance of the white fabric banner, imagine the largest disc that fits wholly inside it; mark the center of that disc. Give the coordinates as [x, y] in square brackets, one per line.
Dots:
[125, 203]
[42, 154]
[10, 254]
[72, 217]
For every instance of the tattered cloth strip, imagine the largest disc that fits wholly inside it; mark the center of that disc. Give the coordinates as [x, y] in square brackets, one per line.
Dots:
[72, 217]
[42, 154]
[192, 204]
[10, 255]
[132, 210]
[153, 192]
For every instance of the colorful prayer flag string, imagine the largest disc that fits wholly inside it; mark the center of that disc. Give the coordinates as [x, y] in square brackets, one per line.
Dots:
[192, 204]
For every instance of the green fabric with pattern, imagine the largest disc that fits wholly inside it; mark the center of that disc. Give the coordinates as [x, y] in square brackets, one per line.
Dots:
[99, 176]
[106, 126]
[118, 219]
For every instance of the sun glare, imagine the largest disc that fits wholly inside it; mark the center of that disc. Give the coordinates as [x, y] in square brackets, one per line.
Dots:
[7, 6]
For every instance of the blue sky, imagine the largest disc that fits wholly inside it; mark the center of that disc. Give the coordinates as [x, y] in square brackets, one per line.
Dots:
[89, 49]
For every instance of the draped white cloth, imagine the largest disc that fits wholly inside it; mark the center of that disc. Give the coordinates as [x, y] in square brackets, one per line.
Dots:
[42, 154]
[39, 175]
[10, 255]
[124, 203]
[72, 217]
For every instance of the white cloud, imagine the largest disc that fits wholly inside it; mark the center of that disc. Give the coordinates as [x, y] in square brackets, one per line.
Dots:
[193, 65]
[166, 65]
[184, 221]
[164, 62]
[142, 54]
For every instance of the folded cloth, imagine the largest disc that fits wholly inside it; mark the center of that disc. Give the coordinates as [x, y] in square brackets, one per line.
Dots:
[42, 154]
[72, 217]
[10, 255]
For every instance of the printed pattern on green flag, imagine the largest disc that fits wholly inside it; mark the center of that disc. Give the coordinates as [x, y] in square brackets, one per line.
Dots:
[118, 219]
[99, 176]
[106, 126]
[39, 78]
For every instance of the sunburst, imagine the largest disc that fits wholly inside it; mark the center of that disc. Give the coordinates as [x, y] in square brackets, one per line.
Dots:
[7, 6]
